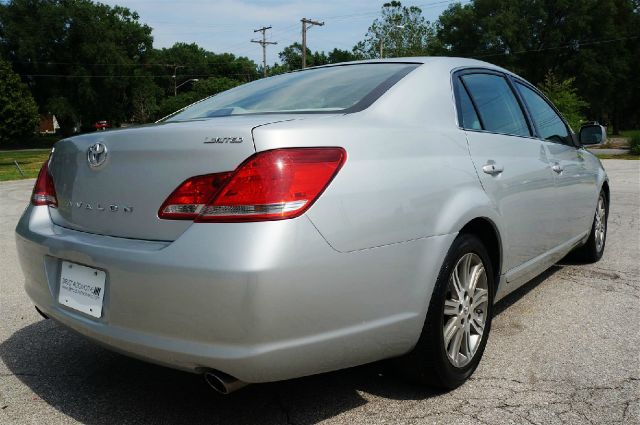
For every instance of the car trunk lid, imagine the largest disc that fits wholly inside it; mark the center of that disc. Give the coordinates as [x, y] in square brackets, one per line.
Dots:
[142, 166]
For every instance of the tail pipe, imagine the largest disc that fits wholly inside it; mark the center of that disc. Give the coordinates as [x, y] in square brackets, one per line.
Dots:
[223, 383]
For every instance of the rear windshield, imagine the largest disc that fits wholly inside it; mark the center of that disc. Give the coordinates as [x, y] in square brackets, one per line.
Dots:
[345, 88]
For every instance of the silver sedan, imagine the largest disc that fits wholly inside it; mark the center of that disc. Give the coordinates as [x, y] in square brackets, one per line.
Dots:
[314, 221]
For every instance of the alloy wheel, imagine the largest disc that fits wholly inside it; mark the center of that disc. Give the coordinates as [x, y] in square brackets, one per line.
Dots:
[600, 224]
[465, 309]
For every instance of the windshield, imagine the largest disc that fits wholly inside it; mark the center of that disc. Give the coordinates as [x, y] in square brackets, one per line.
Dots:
[344, 88]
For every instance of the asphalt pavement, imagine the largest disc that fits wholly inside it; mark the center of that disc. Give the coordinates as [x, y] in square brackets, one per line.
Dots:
[563, 349]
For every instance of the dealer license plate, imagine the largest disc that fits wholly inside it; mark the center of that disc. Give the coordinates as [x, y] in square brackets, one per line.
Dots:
[82, 288]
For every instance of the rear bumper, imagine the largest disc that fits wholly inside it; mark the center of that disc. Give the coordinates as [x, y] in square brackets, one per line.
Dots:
[258, 301]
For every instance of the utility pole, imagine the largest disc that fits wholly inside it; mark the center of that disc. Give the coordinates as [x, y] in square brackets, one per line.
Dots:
[311, 23]
[264, 43]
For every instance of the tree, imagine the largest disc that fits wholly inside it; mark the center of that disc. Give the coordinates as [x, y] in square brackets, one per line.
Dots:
[86, 61]
[18, 110]
[211, 86]
[564, 96]
[338, 56]
[192, 61]
[145, 95]
[291, 57]
[78, 53]
[171, 104]
[401, 30]
[65, 112]
[594, 41]
[277, 69]
[200, 90]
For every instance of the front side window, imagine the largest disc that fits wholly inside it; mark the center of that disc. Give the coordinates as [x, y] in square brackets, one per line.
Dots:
[329, 89]
[496, 104]
[547, 121]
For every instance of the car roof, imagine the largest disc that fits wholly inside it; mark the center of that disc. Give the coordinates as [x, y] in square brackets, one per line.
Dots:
[441, 61]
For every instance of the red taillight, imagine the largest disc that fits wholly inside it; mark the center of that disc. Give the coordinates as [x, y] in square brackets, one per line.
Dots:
[271, 185]
[187, 201]
[43, 192]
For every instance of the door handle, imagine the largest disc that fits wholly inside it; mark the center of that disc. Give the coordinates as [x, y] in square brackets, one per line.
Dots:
[493, 169]
[557, 168]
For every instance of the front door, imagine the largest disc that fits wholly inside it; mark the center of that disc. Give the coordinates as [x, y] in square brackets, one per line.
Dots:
[575, 182]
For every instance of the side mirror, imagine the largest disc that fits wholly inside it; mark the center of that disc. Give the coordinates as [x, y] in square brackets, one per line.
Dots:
[592, 134]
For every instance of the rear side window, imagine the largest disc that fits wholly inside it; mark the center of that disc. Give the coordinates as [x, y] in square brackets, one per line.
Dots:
[468, 117]
[547, 121]
[497, 105]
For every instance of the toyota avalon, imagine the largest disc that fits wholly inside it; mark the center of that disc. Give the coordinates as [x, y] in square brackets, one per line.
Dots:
[314, 221]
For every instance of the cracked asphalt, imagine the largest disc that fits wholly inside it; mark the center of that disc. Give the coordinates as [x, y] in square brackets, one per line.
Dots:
[564, 349]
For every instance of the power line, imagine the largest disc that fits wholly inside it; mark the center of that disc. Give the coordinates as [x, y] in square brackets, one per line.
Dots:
[264, 44]
[563, 46]
[144, 65]
[575, 44]
[125, 76]
[421, 6]
[290, 28]
[282, 31]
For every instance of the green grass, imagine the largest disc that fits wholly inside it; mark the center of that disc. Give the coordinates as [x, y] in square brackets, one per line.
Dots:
[634, 142]
[623, 156]
[630, 133]
[30, 161]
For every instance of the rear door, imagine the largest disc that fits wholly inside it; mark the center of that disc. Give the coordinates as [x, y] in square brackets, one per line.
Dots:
[512, 164]
[575, 182]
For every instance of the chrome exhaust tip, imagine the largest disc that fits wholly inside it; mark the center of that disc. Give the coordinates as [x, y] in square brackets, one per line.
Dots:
[223, 383]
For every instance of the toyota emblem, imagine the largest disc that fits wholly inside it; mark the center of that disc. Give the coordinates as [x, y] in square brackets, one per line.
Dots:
[97, 155]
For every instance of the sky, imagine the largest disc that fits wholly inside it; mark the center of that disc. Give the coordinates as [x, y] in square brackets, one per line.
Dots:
[227, 25]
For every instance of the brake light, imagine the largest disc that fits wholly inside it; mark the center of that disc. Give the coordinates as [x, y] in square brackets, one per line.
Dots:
[187, 201]
[44, 193]
[270, 185]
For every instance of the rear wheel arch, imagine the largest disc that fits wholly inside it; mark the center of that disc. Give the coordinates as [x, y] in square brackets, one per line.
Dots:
[429, 362]
[488, 233]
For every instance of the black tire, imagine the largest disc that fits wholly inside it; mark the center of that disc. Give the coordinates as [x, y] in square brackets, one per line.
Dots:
[591, 251]
[428, 363]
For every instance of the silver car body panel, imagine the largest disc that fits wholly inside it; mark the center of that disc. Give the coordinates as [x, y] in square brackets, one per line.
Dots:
[523, 193]
[235, 297]
[346, 283]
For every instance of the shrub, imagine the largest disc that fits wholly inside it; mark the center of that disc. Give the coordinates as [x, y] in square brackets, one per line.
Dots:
[634, 144]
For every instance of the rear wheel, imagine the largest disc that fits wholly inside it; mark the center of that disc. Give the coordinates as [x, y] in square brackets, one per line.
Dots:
[459, 318]
[593, 249]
